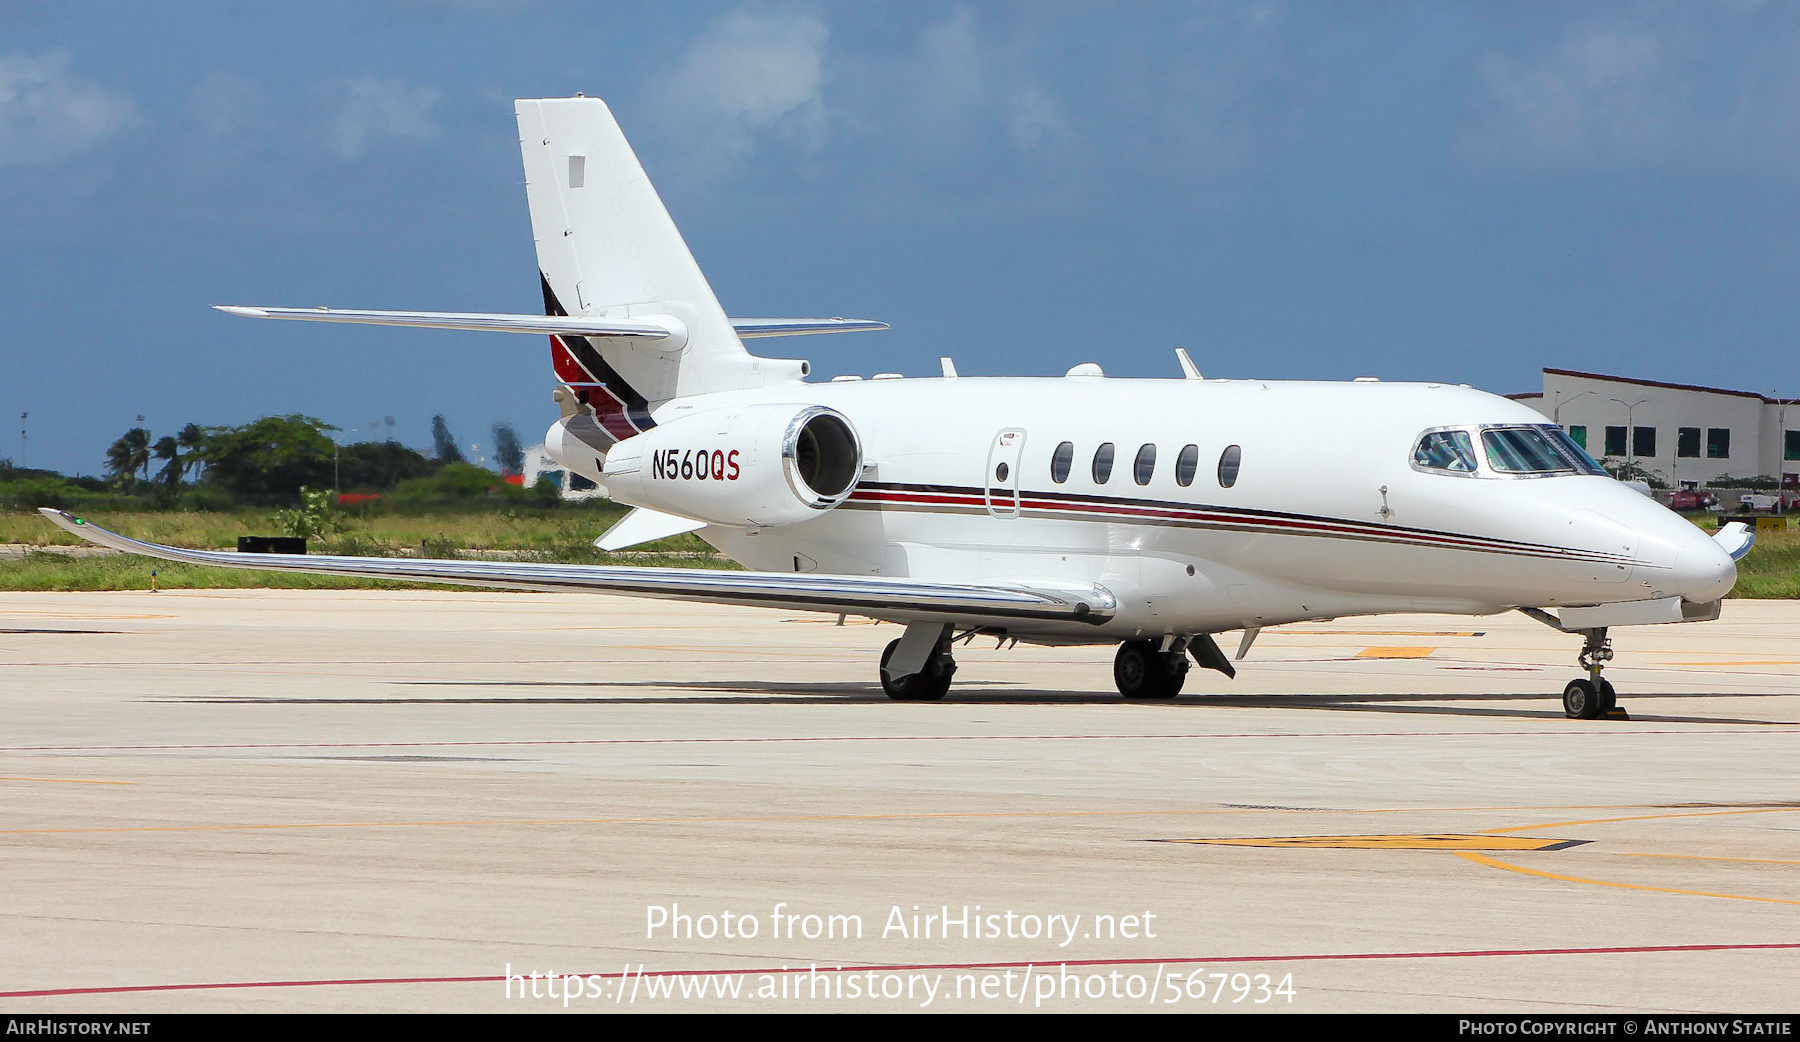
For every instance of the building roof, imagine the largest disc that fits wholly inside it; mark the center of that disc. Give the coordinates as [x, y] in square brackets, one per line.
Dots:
[1765, 399]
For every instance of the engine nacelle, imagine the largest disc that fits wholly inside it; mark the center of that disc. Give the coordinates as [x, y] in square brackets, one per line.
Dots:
[753, 466]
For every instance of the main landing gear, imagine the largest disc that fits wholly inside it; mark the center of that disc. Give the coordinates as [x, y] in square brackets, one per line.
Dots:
[1592, 697]
[930, 682]
[1143, 669]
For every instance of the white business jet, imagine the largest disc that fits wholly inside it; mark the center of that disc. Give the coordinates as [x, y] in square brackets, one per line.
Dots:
[1150, 514]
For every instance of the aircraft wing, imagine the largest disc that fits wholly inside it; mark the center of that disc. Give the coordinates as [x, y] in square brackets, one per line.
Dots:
[875, 596]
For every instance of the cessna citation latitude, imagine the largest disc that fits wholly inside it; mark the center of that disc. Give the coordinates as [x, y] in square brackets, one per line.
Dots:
[1149, 514]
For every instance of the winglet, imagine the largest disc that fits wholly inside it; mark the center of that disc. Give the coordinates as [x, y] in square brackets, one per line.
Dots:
[1189, 370]
[1736, 539]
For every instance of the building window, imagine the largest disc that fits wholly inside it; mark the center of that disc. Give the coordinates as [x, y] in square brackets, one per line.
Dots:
[1060, 461]
[1718, 443]
[1145, 465]
[1687, 442]
[1578, 434]
[1103, 460]
[1615, 441]
[1792, 449]
[1189, 461]
[1643, 441]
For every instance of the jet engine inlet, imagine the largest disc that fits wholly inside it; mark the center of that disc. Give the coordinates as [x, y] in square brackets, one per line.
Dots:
[821, 456]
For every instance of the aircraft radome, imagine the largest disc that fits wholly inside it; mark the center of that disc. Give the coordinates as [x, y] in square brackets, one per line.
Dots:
[1150, 514]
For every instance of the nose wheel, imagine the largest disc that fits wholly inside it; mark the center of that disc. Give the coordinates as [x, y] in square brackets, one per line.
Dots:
[1592, 697]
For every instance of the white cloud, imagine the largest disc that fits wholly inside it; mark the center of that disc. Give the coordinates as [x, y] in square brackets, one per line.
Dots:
[1599, 97]
[750, 74]
[224, 104]
[49, 114]
[367, 110]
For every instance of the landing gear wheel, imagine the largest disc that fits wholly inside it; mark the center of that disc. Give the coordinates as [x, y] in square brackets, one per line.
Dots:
[927, 685]
[1583, 700]
[1141, 671]
[1609, 700]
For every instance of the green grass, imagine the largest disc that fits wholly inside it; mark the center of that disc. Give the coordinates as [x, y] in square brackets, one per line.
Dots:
[561, 537]
[1771, 570]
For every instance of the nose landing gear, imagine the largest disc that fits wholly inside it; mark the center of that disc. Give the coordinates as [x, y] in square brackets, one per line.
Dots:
[1592, 696]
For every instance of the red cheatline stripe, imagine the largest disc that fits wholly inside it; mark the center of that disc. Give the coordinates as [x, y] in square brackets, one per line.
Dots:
[901, 968]
[1125, 509]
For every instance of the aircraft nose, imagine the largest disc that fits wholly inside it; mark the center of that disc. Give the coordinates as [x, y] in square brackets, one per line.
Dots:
[1703, 570]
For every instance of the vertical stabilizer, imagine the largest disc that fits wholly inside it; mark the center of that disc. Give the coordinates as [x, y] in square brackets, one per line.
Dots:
[606, 247]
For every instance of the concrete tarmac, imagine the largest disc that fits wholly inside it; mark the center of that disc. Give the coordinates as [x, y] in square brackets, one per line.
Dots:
[383, 800]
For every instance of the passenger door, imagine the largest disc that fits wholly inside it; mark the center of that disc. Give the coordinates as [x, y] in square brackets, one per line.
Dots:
[1003, 472]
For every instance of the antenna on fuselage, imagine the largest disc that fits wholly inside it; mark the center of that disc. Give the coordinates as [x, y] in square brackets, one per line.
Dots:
[1189, 370]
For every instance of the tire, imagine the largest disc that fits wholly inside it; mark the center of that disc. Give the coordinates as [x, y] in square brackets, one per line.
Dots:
[1142, 672]
[927, 685]
[1609, 699]
[1582, 700]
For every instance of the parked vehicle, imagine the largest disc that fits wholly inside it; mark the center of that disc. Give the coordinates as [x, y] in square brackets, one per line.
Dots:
[1759, 501]
[1692, 499]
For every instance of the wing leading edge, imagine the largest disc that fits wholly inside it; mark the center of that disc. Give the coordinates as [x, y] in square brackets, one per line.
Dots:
[888, 598]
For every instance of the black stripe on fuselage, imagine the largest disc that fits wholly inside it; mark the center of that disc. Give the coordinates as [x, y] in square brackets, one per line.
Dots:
[1221, 518]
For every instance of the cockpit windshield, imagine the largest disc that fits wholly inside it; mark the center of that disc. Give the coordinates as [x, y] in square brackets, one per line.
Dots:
[1446, 450]
[1538, 449]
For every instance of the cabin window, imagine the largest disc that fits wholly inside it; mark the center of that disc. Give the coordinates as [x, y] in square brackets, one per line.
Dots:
[1228, 465]
[1060, 460]
[1145, 466]
[1452, 451]
[1103, 461]
[1186, 464]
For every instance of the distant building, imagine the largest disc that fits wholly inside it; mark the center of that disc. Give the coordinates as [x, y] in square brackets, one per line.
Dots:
[1678, 432]
[570, 486]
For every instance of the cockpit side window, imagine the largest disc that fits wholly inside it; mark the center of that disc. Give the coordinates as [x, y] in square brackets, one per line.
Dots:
[1451, 451]
[1524, 450]
[1571, 450]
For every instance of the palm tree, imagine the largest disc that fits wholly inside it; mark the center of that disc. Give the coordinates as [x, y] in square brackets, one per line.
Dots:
[169, 450]
[192, 439]
[129, 455]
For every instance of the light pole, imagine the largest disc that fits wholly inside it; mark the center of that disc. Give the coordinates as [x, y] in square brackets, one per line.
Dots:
[1781, 454]
[23, 441]
[1630, 455]
[1556, 413]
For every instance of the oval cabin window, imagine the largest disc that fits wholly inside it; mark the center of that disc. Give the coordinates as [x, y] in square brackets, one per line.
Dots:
[1060, 460]
[1228, 465]
[1103, 461]
[1186, 464]
[1144, 467]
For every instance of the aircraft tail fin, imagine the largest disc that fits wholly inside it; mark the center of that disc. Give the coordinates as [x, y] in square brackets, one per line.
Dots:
[607, 249]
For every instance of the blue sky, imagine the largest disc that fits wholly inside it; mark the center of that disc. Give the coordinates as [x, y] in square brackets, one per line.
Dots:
[1289, 190]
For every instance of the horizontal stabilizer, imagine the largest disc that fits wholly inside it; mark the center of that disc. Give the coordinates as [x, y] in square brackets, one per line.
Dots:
[874, 596]
[749, 327]
[644, 525]
[659, 327]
